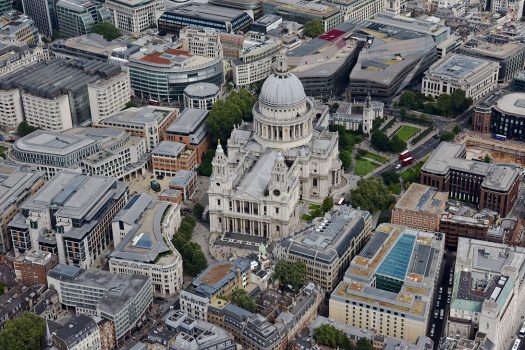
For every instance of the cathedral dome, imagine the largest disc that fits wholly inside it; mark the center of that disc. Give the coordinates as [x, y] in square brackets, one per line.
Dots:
[282, 89]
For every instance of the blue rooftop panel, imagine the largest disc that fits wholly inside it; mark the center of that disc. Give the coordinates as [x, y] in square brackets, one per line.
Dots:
[396, 263]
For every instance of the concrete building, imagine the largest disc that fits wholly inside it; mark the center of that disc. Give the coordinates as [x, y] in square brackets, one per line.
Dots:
[512, 7]
[302, 11]
[364, 121]
[105, 152]
[55, 94]
[510, 56]
[78, 334]
[16, 185]
[15, 55]
[390, 284]
[203, 42]
[491, 186]
[219, 279]
[70, 217]
[43, 13]
[420, 208]
[185, 181]
[327, 246]
[475, 76]
[134, 16]
[193, 334]
[148, 122]
[358, 9]
[91, 46]
[119, 299]
[17, 26]
[5, 6]
[164, 73]
[200, 15]
[201, 95]
[142, 233]
[487, 296]
[76, 17]
[273, 163]
[32, 267]
[190, 129]
[169, 157]
[508, 116]
[252, 7]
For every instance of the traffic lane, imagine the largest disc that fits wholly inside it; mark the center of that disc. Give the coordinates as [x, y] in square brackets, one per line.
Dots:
[441, 304]
[417, 153]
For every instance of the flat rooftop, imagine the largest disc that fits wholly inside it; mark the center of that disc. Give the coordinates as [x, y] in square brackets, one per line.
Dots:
[14, 182]
[217, 275]
[139, 116]
[423, 198]
[188, 121]
[92, 42]
[53, 143]
[460, 66]
[306, 7]
[208, 12]
[497, 51]
[201, 90]
[512, 103]
[169, 148]
[449, 156]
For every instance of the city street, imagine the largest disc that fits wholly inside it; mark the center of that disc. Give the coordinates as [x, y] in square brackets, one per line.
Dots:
[440, 300]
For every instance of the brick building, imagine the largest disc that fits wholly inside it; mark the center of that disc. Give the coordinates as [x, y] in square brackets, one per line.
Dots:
[420, 207]
[169, 157]
[186, 182]
[490, 186]
[32, 268]
[190, 129]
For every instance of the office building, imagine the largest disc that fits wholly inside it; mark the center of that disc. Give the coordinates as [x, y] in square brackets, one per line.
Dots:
[266, 23]
[202, 16]
[192, 334]
[164, 73]
[80, 333]
[76, 17]
[490, 186]
[449, 45]
[54, 94]
[384, 67]
[255, 197]
[184, 181]
[32, 268]
[475, 76]
[390, 284]
[43, 13]
[190, 129]
[323, 66]
[518, 82]
[5, 6]
[252, 7]
[513, 7]
[91, 46]
[255, 60]
[169, 157]
[16, 185]
[302, 11]
[148, 122]
[420, 208]
[326, 247]
[70, 217]
[142, 232]
[134, 16]
[172, 196]
[508, 116]
[487, 296]
[17, 26]
[218, 280]
[201, 95]
[203, 42]
[104, 152]
[14, 56]
[510, 56]
[122, 300]
[358, 9]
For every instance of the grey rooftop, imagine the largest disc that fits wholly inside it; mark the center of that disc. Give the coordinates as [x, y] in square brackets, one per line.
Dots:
[138, 116]
[188, 121]
[201, 90]
[169, 148]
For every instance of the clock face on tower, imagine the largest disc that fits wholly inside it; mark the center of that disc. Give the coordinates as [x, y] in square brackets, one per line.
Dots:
[276, 192]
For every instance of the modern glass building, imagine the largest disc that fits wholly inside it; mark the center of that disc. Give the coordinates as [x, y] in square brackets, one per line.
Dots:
[76, 17]
[204, 16]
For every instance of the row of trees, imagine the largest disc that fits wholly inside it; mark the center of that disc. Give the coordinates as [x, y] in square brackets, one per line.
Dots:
[330, 336]
[446, 105]
[193, 258]
[225, 114]
[383, 143]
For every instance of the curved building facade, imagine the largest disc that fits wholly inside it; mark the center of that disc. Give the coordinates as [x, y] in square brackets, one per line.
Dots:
[163, 75]
[254, 6]
[508, 116]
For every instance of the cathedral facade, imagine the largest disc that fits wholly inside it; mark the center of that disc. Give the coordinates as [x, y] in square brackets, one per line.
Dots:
[285, 156]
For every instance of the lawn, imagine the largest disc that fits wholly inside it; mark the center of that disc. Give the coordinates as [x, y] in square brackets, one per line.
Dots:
[406, 132]
[363, 167]
[376, 157]
[315, 211]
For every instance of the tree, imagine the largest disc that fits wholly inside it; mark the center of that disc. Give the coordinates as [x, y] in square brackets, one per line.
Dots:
[487, 159]
[193, 259]
[364, 344]
[457, 129]
[198, 210]
[380, 141]
[346, 159]
[130, 104]
[376, 124]
[23, 333]
[390, 177]
[107, 30]
[242, 299]
[24, 129]
[328, 203]
[397, 145]
[290, 273]
[205, 168]
[447, 136]
[313, 28]
[2, 288]
[330, 336]
[371, 194]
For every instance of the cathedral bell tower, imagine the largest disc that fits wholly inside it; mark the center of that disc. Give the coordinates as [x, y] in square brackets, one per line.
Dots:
[219, 165]
[279, 183]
